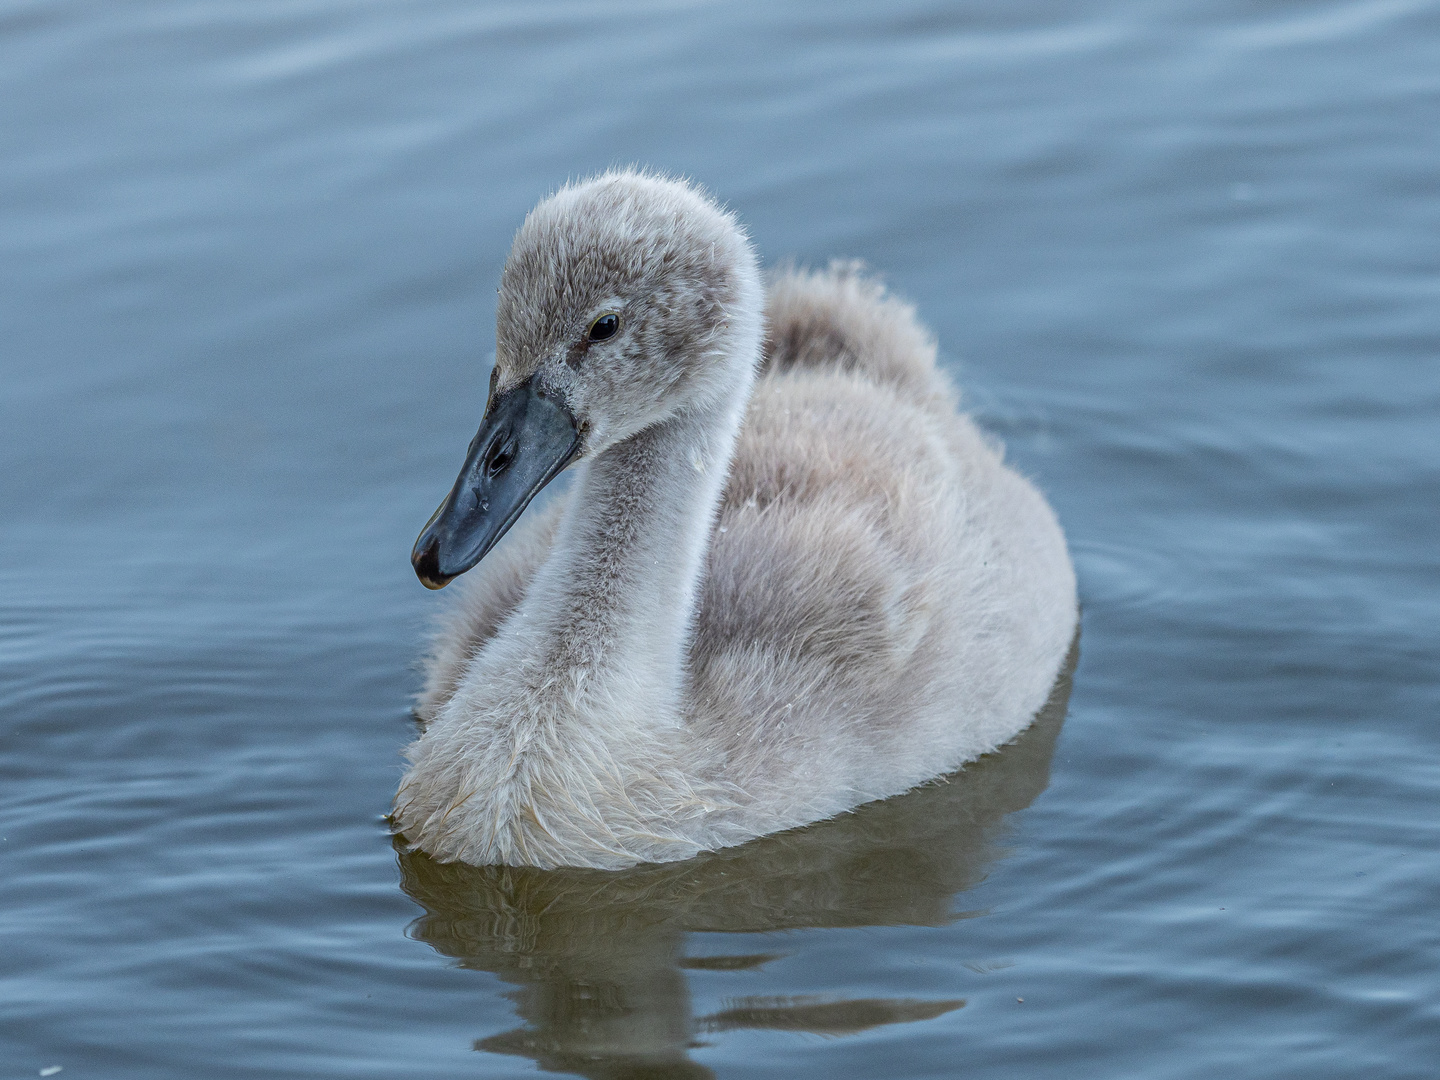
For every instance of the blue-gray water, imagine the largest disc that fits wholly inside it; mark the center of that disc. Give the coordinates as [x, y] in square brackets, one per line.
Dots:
[1183, 258]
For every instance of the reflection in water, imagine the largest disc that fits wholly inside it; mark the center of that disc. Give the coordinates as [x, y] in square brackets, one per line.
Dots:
[599, 955]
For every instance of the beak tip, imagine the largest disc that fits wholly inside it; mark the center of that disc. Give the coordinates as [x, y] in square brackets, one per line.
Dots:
[426, 561]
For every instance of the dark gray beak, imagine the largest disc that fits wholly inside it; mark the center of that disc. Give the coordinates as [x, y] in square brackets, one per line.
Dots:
[526, 438]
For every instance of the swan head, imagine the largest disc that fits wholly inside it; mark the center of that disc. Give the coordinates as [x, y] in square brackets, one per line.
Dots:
[626, 299]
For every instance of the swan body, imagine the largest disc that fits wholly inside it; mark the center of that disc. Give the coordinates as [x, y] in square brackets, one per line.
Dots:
[788, 578]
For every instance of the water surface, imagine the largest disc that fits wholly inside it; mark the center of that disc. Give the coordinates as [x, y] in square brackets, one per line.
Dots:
[1181, 256]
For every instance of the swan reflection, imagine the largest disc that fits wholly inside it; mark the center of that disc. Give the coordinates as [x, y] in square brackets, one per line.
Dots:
[599, 957]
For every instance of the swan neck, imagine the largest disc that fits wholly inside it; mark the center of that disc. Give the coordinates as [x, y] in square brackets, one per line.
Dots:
[618, 594]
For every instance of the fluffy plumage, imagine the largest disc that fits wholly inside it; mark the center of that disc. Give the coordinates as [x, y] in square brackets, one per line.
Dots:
[789, 577]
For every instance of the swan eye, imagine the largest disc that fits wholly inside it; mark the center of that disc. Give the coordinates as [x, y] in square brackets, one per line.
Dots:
[606, 326]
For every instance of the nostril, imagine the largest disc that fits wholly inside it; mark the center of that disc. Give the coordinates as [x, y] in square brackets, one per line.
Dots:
[500, 459]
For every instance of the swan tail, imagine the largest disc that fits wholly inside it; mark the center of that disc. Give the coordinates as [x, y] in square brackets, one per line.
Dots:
[842, 320]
